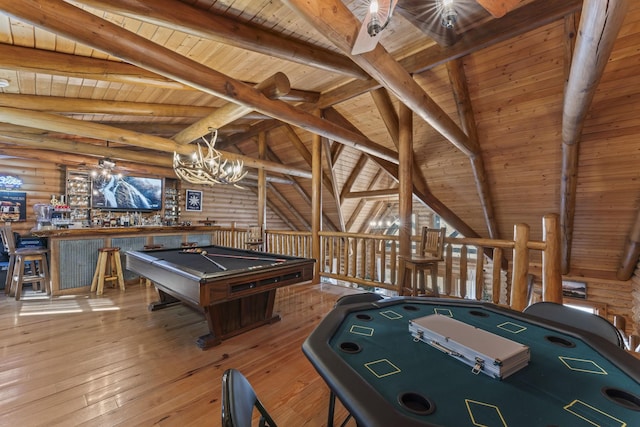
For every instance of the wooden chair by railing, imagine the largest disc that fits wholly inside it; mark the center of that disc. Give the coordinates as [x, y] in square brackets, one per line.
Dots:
[430, 252]
[254, 238]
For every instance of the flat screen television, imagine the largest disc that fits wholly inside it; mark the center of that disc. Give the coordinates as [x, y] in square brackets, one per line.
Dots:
[127, 193]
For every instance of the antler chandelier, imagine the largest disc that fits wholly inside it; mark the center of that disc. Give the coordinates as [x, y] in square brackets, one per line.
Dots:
[208, 168]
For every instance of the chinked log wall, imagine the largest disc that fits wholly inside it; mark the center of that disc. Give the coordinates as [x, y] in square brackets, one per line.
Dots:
[41, 179]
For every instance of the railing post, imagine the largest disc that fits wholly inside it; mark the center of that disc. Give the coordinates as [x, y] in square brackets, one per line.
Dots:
[479, 272]
[464, 292]
[496, 283]
[520, 267]
[448, 270]
[552, 277]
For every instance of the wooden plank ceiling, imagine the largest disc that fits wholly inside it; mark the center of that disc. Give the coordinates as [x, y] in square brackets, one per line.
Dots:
[492, 148]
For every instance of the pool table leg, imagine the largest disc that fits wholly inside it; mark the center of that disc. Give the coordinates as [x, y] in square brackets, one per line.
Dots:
[208, 340]
[166, 300]
[234, 317]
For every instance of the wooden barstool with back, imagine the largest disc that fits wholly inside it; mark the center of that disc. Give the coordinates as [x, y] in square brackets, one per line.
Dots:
[254, 238]
[412, 267]
[26, 265]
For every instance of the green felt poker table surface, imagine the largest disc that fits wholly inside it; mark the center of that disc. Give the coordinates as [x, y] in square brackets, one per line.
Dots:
[385, 377]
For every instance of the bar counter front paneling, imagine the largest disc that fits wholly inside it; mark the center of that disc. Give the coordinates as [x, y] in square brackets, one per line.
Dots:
[74, 251]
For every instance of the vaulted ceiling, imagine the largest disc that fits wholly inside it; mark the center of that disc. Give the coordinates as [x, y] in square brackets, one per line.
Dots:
[495, 139]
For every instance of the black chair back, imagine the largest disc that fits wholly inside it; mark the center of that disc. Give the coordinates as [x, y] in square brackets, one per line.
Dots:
[239, 400]
[357, 298]
[578, 319]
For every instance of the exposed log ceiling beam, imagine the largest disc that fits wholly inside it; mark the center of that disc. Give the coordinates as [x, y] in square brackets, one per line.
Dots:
[599, 26]
[513, 24]
[371, 194]
[520, 21]
[24, 137]
[289, 206]
[355, 172]
[420, 189]
[61, 18]
[391, 119]
[499, 8]
[42, 153]
[306, 155]
[61, 64]
[336, 150]
[254, 131]
[465, 112]
[167, 130]
[67, 146]
[58, 104]
[326, 150]
[275, 209]
[182, 17]
[292, 180]
[272, 87]
[378, 210]
[363, 203]
[385, 107]
[414, 12]
[62, 124]
[340, 26]
[35, 60]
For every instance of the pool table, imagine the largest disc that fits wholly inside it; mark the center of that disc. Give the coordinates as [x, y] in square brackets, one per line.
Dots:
[385, 377]
[234, 288]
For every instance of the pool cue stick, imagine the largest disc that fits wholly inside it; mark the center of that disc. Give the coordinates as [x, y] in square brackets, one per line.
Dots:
[220, 266]
[248, 257]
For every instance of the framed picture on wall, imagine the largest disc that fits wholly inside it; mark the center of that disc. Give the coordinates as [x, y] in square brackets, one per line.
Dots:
[193, 201]
[13, 206]
[574, 289]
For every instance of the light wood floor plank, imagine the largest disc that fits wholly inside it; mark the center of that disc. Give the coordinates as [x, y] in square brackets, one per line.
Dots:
[108, 361]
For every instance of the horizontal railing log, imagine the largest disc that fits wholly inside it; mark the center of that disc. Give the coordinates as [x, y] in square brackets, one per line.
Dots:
[472, 267]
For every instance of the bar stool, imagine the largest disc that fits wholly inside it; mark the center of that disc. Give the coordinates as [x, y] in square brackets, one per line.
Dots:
[254, 238]
[35, 261]
[108, 269]
[412, 268]
[32, 260]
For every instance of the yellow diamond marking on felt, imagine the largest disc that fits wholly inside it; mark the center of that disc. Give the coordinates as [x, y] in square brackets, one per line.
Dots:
[583, 410]
[479, 423]
[390, 314]
[361, 330]
[514, 328]
[392, 369]
[443, 311]
[589, 366]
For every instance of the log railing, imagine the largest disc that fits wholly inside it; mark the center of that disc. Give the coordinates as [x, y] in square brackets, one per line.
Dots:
[371, 260]
[472, 268]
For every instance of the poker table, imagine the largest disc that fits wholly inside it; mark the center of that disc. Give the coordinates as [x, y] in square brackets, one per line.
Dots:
[234, 288]
[385, 377]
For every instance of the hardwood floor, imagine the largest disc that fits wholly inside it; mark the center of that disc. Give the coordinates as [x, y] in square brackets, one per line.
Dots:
[108, 361]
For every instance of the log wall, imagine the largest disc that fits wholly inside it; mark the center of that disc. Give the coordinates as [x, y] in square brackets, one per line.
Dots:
[39, 180]
[224, 204]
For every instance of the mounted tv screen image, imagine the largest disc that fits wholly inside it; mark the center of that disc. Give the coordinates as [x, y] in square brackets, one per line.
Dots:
[127, 193]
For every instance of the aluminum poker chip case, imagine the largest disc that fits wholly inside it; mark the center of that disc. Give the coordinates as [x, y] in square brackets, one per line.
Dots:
[484, 351]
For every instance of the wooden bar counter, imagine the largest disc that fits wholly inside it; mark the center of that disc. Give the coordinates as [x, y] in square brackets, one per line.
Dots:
[74, 251]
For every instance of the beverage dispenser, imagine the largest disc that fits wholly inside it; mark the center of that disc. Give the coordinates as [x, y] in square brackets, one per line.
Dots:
[43, 216]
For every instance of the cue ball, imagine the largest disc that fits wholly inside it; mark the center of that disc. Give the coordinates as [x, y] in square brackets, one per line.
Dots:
[204, 252]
